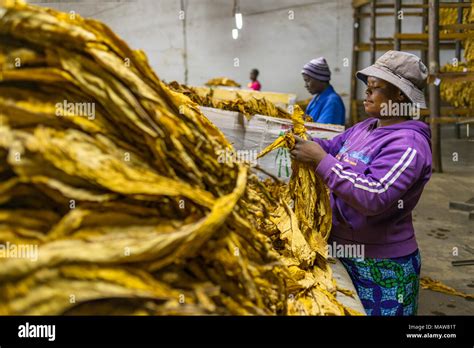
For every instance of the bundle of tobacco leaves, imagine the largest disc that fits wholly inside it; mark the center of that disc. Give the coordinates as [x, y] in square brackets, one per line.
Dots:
[303, 104]
[222, 81]
[190, 92]
[306, 190]
[249, 108]
[252, 106]
[459, 93]
[112, 197]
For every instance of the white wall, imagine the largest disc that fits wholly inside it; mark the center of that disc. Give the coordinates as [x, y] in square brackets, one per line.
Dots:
[269, 41]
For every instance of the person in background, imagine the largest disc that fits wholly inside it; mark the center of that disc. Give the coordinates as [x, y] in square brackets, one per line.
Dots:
[326, 105]
[376, 172]
[254, 83]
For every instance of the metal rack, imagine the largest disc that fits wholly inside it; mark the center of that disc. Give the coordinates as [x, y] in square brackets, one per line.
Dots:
[428, 43]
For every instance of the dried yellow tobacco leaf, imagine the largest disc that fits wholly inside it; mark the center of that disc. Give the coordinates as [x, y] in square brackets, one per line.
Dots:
[113, 181]
[222, 81]
[306, 191]
[249, 108]
[459, 93]
[436, 285]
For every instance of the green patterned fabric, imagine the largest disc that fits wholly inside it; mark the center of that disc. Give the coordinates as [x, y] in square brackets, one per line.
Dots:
[387, 286]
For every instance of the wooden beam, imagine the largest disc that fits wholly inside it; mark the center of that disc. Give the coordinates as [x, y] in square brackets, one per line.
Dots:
[433, 66]
[460, 26]
[423, 37]
[424, 29]
[458, 43]
[382, 14]
[393, 5]
[354, 116]
[451, 110]
[442, 5]
[457, 76]
[454, 111]
[455, 5]
[365, 46]
[359, 3]
[373, 30]
[389, 39]
[398, 25]
[436, 121]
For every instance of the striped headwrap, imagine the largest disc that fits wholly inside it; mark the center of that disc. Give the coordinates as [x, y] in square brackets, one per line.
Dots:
[317, 69]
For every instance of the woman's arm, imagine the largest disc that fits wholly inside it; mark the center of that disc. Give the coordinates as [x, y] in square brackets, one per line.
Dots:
[390, 174]
[333, 145]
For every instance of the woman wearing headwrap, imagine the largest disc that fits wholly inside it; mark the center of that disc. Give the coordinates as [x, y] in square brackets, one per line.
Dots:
[376, 172]
[326, 105]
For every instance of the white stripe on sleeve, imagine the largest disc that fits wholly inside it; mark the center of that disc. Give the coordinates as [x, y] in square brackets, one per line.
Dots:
[371, 183]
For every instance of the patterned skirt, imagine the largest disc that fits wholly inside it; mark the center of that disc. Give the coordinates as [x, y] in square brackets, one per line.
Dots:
[386, 286]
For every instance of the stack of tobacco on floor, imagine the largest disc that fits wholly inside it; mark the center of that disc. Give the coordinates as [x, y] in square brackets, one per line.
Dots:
[112, 197]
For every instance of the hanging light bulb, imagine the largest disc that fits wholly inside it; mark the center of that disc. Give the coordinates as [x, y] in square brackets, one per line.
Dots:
[235, 34]
[238, 20]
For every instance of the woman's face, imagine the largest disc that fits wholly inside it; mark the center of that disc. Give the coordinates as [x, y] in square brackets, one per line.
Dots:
[313, 86]
[253, 75]
[378, 93]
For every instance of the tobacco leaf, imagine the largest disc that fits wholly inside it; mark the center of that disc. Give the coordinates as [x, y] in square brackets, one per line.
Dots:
[116, 179]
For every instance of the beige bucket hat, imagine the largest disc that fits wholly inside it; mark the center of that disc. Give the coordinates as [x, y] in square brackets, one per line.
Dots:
[403, 70]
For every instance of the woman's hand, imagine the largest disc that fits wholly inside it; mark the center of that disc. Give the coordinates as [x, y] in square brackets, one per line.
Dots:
[307, 151]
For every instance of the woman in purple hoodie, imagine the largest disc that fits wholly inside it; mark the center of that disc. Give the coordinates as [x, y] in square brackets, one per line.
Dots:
[376, 172]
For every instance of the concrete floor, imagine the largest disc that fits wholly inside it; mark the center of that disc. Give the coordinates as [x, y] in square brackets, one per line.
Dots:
[439, 230]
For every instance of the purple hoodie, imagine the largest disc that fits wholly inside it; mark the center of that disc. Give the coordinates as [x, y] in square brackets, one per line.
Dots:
[376, 176]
